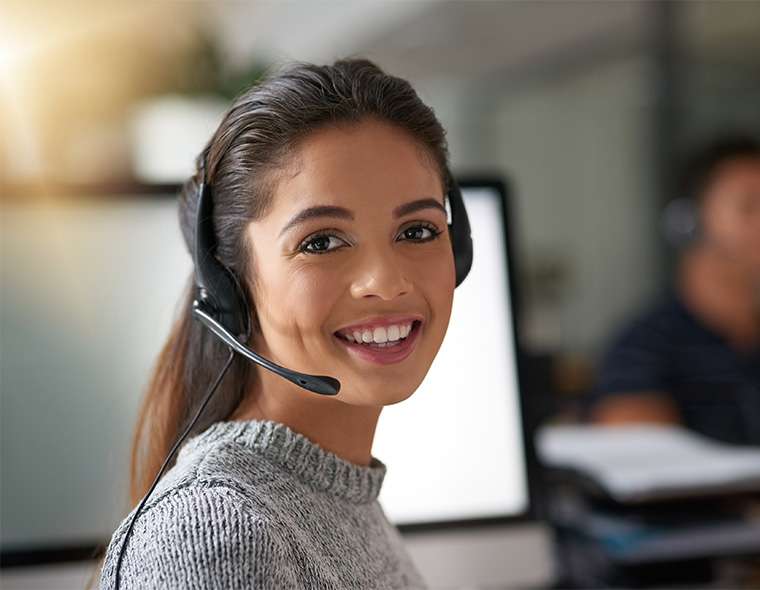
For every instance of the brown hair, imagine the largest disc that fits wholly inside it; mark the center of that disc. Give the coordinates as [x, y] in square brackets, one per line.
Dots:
[257, 137]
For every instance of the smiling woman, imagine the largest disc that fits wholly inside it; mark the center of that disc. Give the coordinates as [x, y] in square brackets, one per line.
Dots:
[329, 204]
[384, 258]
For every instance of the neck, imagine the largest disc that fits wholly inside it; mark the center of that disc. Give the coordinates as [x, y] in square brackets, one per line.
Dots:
[344, 429]
[723, 294]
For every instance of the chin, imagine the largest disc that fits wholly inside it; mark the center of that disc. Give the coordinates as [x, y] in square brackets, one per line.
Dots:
[388, 398]
[398, 399]
[379, 396]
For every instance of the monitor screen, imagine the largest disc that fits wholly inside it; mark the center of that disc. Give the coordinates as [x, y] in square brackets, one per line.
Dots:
[83, 317]
[454, 449]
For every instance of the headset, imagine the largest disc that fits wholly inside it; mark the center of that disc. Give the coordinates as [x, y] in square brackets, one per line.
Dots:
[680, 222]
[220, 305]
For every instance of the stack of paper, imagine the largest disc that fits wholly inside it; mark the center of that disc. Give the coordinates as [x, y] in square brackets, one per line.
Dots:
[644, 462]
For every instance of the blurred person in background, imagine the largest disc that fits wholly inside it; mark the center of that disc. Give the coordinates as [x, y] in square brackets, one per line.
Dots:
[693, 358]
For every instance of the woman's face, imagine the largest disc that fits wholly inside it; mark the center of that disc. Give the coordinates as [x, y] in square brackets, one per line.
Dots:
[375, 261]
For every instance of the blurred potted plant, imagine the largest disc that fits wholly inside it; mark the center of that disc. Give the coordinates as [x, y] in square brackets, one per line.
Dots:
[170, 129]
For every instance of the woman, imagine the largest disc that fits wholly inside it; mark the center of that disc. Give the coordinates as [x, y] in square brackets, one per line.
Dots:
[277, 487]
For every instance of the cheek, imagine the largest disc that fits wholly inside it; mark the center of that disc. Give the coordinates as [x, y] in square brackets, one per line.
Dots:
[737, 233]
[437, 279]
[736, 236]
[725, 226]
[296, 300]
[446, 273]
[311, 296]
[750, 246]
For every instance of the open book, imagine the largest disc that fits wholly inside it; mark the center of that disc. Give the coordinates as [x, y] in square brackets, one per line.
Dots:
[636, 463]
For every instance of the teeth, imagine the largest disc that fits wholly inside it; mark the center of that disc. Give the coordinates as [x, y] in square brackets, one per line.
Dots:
[382, 335]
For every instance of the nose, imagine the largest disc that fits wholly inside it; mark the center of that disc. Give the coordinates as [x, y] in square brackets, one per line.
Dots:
[380, 273]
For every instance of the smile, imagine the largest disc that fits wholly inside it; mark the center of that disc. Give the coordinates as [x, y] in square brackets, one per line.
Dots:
[383, 353]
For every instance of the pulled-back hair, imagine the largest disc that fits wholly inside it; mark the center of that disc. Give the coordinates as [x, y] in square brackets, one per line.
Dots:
[256, 139]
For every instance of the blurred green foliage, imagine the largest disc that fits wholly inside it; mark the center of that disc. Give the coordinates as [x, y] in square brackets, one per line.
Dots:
[204, 70]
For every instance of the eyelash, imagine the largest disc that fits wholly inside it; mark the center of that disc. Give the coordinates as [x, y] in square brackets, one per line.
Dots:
[429, 226]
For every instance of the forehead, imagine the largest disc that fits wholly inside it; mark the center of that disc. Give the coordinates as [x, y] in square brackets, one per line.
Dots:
[366, 165]
[740, 171]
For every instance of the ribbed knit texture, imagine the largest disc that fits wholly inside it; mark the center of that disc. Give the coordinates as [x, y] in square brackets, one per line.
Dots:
[254, 504]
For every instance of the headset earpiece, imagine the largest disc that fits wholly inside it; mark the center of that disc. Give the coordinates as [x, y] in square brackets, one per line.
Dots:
[218, 291]
[459, 228]
[680, 222]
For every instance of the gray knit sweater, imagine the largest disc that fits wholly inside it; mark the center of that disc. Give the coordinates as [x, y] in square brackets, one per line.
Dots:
[254, 504]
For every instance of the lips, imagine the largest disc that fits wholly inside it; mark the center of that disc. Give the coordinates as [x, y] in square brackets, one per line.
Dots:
[384, 355]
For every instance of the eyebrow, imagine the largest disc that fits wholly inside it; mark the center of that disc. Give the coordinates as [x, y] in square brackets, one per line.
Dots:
[343, 213]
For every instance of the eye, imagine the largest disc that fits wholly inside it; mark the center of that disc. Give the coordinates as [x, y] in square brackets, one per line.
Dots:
[416, 233]
[320, 243]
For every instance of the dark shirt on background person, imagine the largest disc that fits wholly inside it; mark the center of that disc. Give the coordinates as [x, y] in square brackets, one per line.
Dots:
[714, 388]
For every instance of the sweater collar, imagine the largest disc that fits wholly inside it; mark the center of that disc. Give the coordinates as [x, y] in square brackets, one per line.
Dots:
[299, 455]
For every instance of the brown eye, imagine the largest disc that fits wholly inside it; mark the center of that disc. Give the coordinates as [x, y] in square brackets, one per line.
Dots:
[318, 244]
[422, 232]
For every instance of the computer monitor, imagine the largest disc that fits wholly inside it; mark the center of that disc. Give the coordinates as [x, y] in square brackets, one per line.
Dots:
[456, 449]
[90, 287]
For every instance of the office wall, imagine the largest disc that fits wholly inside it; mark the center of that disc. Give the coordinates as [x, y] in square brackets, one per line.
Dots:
[577, 150]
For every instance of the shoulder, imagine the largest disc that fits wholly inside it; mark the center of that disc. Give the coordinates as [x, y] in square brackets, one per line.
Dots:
[639, 354]
[195, 536]
[658, 327]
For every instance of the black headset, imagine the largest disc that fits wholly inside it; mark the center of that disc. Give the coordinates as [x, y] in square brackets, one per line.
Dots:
[221, 306]
[680, 222]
